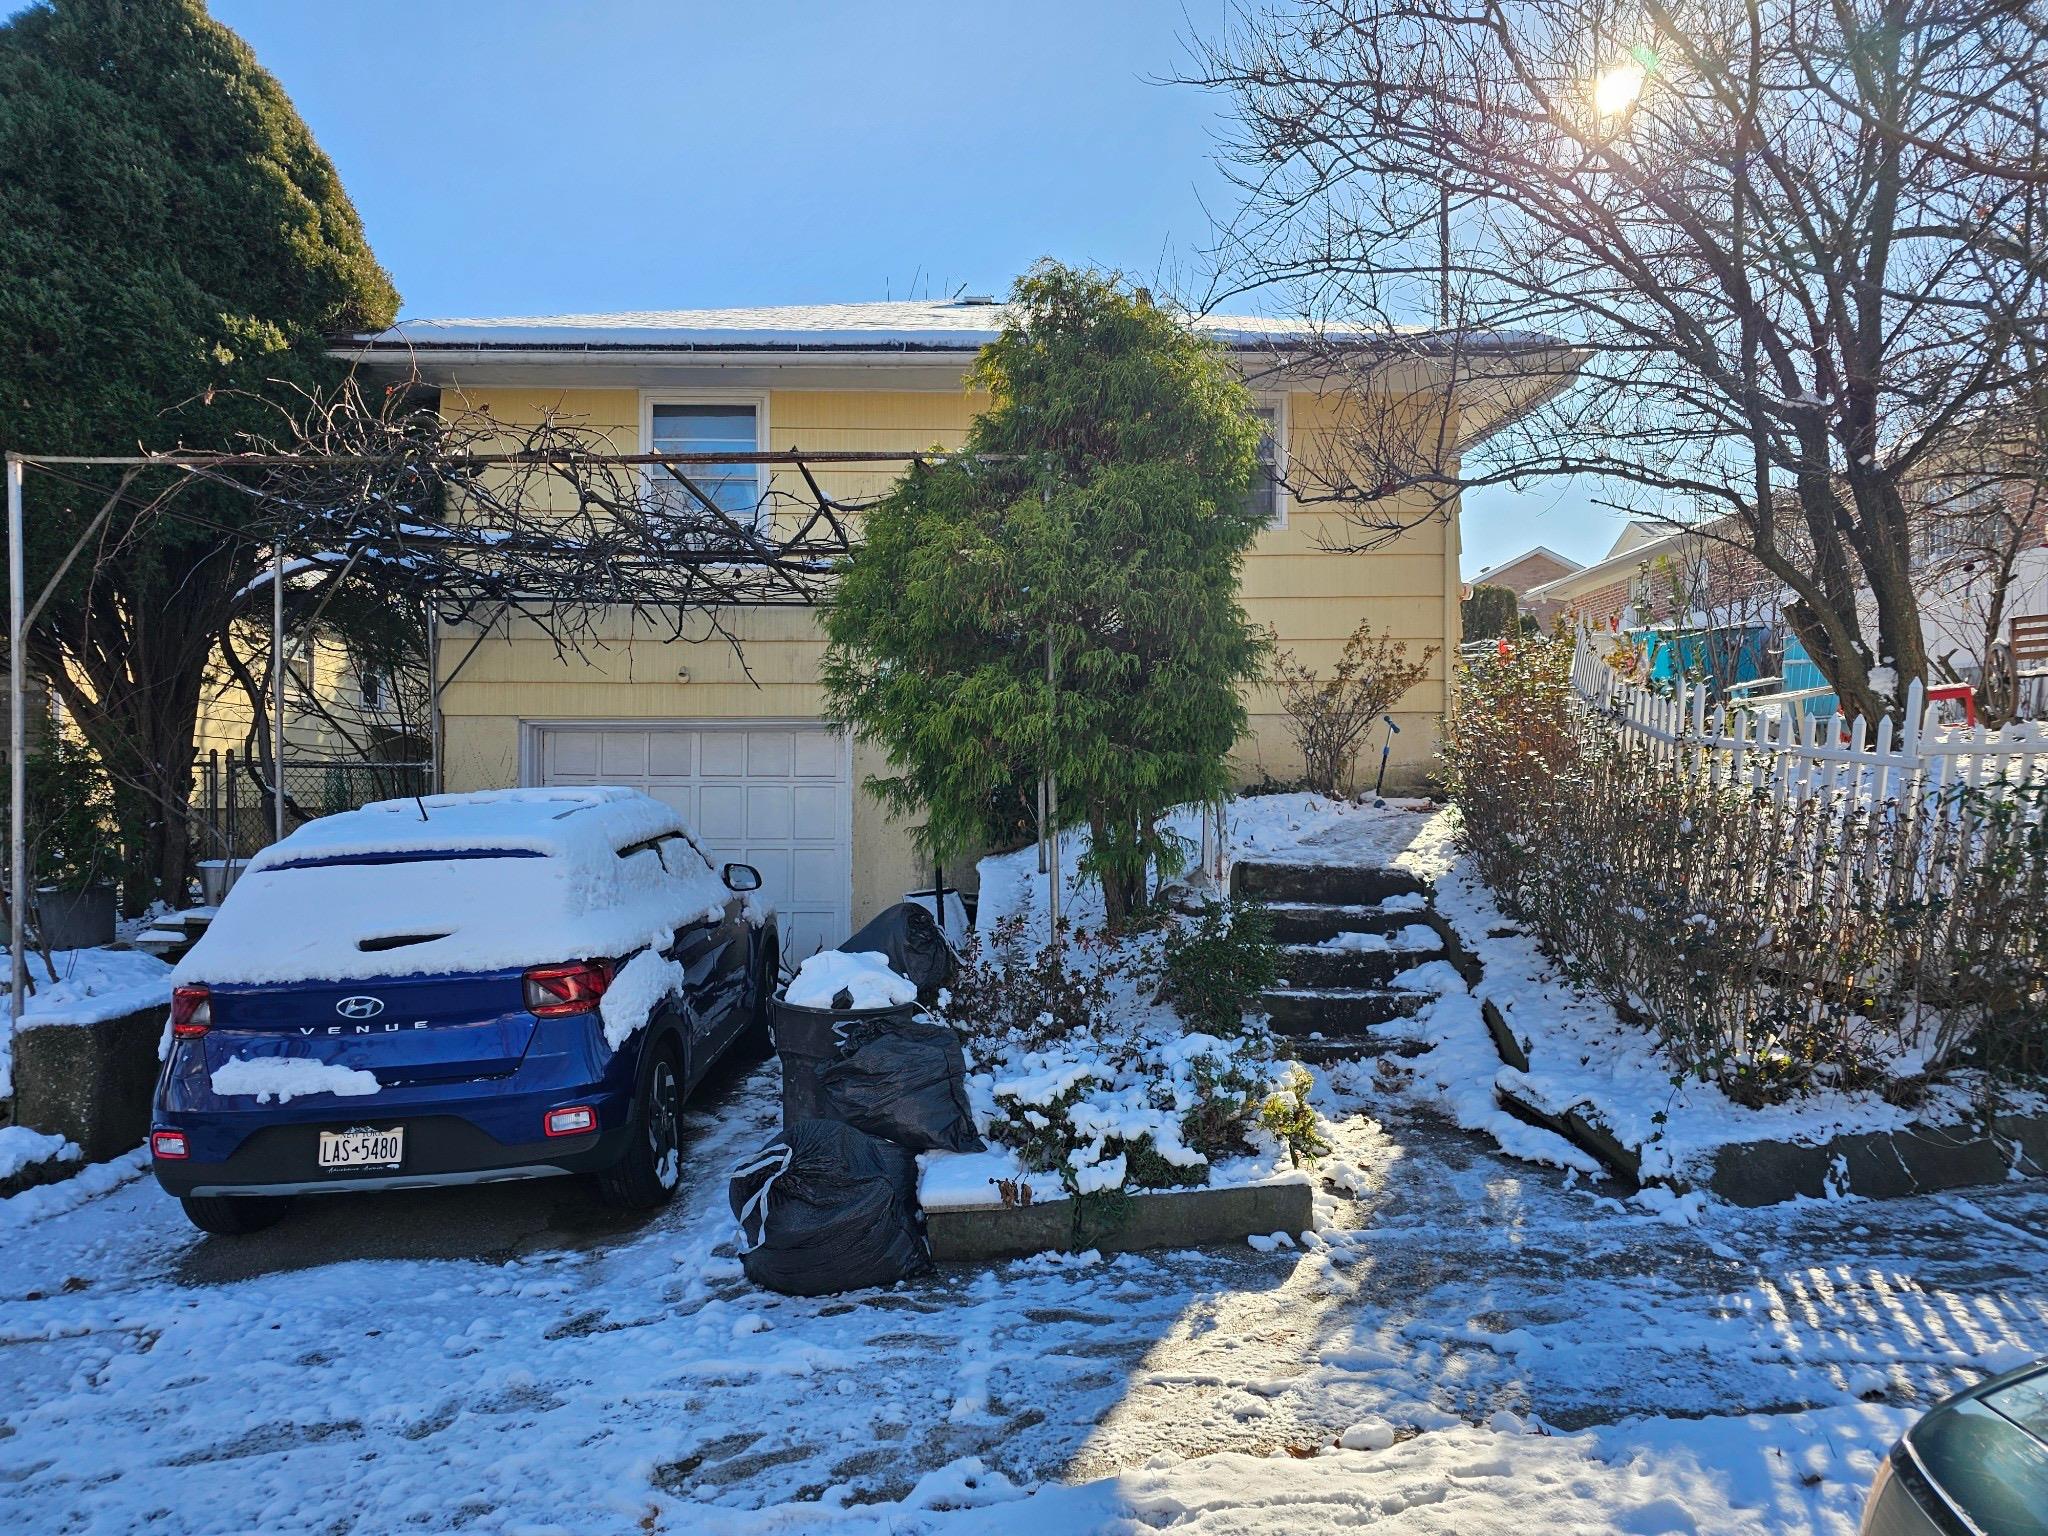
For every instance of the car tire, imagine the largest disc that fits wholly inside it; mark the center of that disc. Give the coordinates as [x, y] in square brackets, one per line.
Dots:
[233, 1215]
[651, 1170]
[757, 1034]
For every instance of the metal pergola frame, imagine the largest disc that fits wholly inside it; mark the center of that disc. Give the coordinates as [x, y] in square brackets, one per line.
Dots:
[747, 548]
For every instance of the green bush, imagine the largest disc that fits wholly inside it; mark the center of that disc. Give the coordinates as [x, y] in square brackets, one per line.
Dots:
[70, 813]
[1287, 1115]
[1217, 967]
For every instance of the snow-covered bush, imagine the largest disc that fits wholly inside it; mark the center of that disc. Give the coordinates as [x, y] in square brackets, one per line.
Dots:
[1289, 1118]
[1086, 1064]
[1217, 966]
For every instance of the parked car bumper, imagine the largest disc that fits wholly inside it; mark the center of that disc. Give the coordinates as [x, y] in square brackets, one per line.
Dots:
[439, 1150]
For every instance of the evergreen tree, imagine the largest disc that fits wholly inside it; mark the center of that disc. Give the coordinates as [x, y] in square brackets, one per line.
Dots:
[173, 248]
[1491, 612]
[1110, 519]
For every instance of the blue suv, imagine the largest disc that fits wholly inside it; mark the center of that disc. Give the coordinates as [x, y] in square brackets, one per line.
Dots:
[457, 989]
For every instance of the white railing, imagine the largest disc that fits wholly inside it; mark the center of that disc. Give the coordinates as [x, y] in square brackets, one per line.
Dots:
[1770, 741]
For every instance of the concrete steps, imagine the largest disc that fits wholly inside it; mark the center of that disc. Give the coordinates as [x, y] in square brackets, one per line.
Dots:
[1336, 1003]
[1347, 1012]
[1302, 922]
[1305, 968]
[1323, 884]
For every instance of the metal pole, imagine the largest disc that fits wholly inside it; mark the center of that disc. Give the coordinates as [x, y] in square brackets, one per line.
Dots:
[17, 746]
[277, 693]
[1052, 815]
[433, 696]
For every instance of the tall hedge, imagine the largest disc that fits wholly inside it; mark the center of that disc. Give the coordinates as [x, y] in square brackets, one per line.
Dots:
[1107, 514]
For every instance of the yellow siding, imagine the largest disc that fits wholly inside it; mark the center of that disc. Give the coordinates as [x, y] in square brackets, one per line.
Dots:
[1293, 581]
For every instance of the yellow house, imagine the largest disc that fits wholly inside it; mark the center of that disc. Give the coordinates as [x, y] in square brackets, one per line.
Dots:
[749, 761]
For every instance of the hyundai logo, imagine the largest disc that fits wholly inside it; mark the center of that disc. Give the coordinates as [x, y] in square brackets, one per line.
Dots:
[359, 1007]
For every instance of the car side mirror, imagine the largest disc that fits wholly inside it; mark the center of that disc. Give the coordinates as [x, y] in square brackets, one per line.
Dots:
[742, 877]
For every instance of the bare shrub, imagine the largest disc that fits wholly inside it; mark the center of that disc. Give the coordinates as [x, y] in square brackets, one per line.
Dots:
[1328, 718]
[1773, 942]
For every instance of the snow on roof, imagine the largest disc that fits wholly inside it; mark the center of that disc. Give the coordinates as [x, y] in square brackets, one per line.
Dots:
[896, 325]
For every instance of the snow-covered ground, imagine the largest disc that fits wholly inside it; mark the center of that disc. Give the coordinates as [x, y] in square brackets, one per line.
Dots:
[1544, 1357]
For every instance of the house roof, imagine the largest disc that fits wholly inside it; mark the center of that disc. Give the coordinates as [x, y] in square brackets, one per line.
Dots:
[903, 325]
[1571, 566]
[1625, 560]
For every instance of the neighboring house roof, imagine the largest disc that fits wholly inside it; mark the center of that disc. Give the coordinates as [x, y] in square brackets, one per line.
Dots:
[1640, 531]
[1625, 559]
[1491, 575]
[959, 325]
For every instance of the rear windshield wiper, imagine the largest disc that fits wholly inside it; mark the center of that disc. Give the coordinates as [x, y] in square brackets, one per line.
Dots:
[405, 856]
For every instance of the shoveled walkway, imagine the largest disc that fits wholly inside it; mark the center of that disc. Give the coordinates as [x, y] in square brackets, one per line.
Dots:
[586, 1378]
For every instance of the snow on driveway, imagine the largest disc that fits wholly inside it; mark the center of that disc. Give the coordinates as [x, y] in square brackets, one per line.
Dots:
[1546, 1357]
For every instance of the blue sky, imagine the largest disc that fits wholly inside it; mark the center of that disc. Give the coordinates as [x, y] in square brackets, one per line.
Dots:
[516, 157]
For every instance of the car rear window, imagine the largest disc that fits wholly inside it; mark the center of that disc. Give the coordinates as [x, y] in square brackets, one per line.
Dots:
[1994, 1471]
[407, 856]
[2025, 1403]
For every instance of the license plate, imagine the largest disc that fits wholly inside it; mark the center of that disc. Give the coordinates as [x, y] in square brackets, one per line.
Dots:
[362, 1148]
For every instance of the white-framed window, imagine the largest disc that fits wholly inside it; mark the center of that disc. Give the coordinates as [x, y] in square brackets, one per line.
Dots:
[1267, 494]
[710, 422]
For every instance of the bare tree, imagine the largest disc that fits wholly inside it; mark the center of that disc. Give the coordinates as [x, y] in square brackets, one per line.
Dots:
[382, 501]
[1795, 246]
[1981, 518]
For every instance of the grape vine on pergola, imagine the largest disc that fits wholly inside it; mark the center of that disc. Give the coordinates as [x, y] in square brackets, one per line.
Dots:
[554, 529]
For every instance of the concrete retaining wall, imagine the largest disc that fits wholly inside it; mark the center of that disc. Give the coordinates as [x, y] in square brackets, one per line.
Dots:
[1184, 1218]
[89, 1083]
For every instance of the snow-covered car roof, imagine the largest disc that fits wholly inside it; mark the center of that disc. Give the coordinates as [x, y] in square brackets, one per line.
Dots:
[574, 821]
[495, 880]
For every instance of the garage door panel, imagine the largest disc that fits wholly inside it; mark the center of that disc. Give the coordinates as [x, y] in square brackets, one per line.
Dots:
[818, 755]
[768, 812]
[814, 813]
[571, 752]
[671, 754]
[624, 755]
[815, 869]
[721, 811]
[723, 754]
[679, 797]
[770, 754]
[778, 798]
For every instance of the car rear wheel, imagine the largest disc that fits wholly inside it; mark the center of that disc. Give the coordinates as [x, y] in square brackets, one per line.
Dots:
[233, 1215]
[757, 1035]
[652, 1168]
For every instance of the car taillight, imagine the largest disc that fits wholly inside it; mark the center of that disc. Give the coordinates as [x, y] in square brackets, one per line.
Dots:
[168, 1144]
[553, 990]
[191, 1013]
[576, 1121]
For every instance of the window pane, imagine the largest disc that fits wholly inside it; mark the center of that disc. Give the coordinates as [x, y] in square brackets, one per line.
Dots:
[736, 488]
[1264, 496]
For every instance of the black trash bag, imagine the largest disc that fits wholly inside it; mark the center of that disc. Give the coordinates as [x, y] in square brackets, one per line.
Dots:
[808, 1040]
[914, 944]
[903, 1080]
[829, 1208]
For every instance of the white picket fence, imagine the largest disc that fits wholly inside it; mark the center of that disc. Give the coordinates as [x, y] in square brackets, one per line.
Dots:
[1765, 743]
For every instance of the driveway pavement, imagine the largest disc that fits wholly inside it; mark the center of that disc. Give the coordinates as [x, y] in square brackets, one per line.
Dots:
[506, 1359]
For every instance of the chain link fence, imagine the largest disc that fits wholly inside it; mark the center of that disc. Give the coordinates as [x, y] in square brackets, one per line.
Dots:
[231, 804]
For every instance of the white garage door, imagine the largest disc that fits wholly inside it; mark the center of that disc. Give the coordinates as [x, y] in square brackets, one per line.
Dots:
[777, 797]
